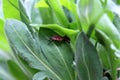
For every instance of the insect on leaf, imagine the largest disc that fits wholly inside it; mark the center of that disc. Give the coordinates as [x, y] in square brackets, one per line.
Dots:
[55, 59]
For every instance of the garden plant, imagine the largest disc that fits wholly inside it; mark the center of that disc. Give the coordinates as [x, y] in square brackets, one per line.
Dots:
[60, 39]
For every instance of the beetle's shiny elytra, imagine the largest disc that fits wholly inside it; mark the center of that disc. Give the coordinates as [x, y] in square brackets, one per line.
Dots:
[58, 38]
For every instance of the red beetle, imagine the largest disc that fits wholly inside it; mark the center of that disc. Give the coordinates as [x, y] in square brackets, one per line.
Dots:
[58, 38]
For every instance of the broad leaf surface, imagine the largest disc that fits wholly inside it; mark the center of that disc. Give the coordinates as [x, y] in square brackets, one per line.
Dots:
[54, 59]
[61, 52]
[88, 64]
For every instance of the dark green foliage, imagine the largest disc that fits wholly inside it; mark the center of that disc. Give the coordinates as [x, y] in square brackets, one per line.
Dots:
[91, 25]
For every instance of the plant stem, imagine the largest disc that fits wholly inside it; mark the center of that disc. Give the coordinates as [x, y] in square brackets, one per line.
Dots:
[90, 30]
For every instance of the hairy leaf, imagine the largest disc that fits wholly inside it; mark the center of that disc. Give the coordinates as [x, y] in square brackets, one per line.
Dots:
[60, 51]
[53, 59]
[88, 64]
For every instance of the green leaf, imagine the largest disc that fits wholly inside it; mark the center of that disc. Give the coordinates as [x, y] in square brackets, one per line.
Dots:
[46, 13]
[54, 59]
[88, 64]
[118, 2]
[14, 68]
[11, 11]
[29, 71]
[41, 3]
[57, 8]
[3, 42]
[23, 13]
[71, 6]
[72, 34]
[32, 12]
[103, 54]
[104, 78]
[29, 14]
[4, 56]
[89, 12]
[116, 22]
[4, 72]
[109, 29]
[39, 76]
[112, 52]
[61, 50]
[104, 3]
[61, 30]
[5, 75]
[47, 16]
